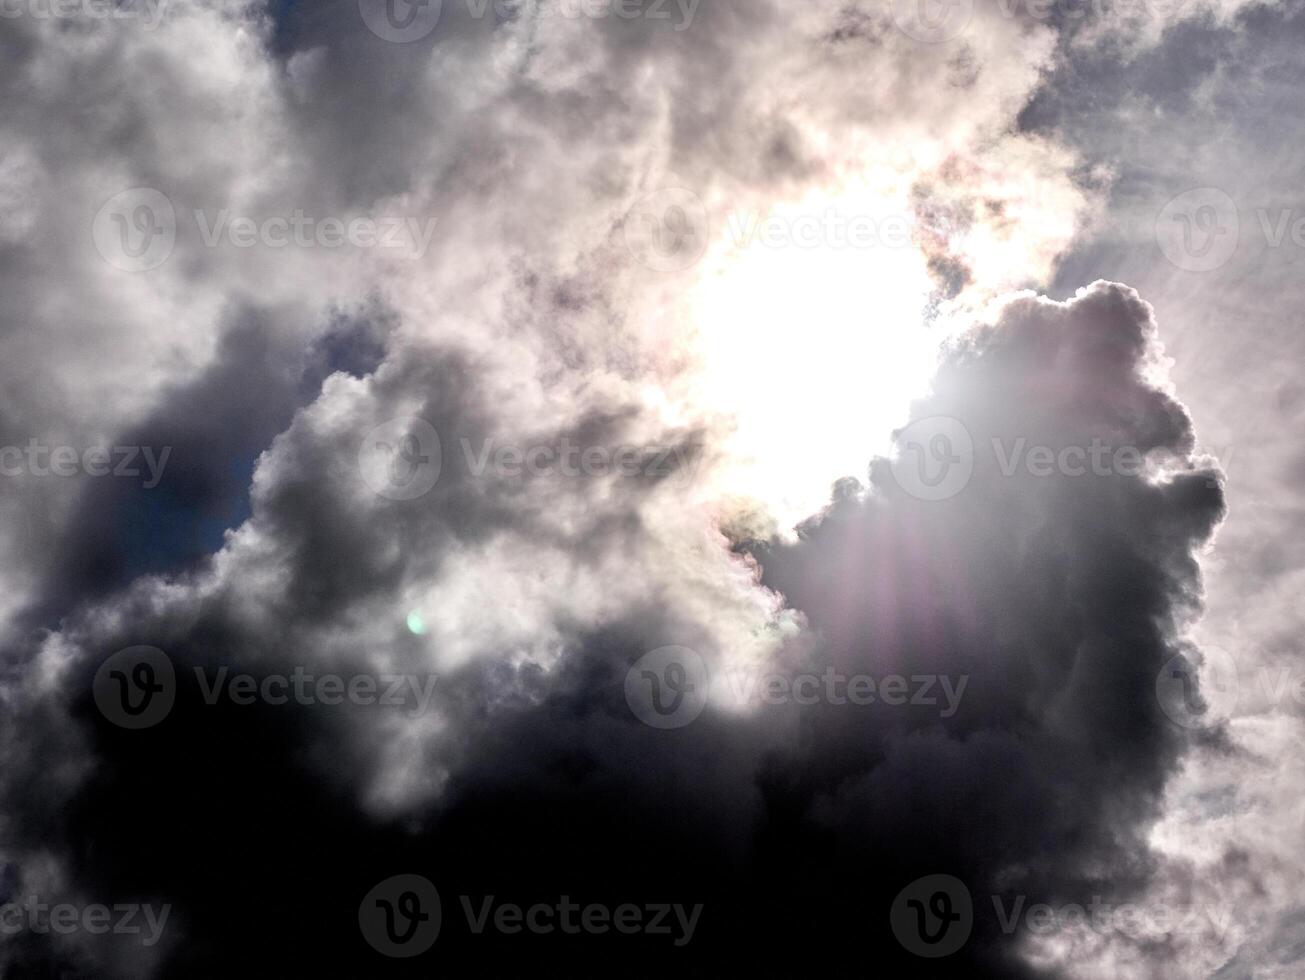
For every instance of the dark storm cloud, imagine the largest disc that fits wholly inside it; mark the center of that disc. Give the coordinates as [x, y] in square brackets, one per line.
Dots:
[1059, 596]
[337, 556]
[795, 826]
[1212, 105]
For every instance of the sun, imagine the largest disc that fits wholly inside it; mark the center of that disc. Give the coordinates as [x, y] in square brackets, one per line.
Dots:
[812, 337]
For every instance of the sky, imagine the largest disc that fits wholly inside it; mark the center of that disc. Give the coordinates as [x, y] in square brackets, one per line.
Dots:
[660, 487]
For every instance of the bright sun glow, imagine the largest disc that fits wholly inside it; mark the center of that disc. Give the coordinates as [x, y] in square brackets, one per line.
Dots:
[813, 338]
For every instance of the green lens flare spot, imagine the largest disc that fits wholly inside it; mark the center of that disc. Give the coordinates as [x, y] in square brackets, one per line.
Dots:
[416, 625]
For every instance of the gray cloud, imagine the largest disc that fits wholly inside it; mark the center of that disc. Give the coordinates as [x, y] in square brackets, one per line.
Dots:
[1058, 600]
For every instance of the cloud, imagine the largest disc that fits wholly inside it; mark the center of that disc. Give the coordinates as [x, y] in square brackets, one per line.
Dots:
[1058, 598]
[527, 321]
